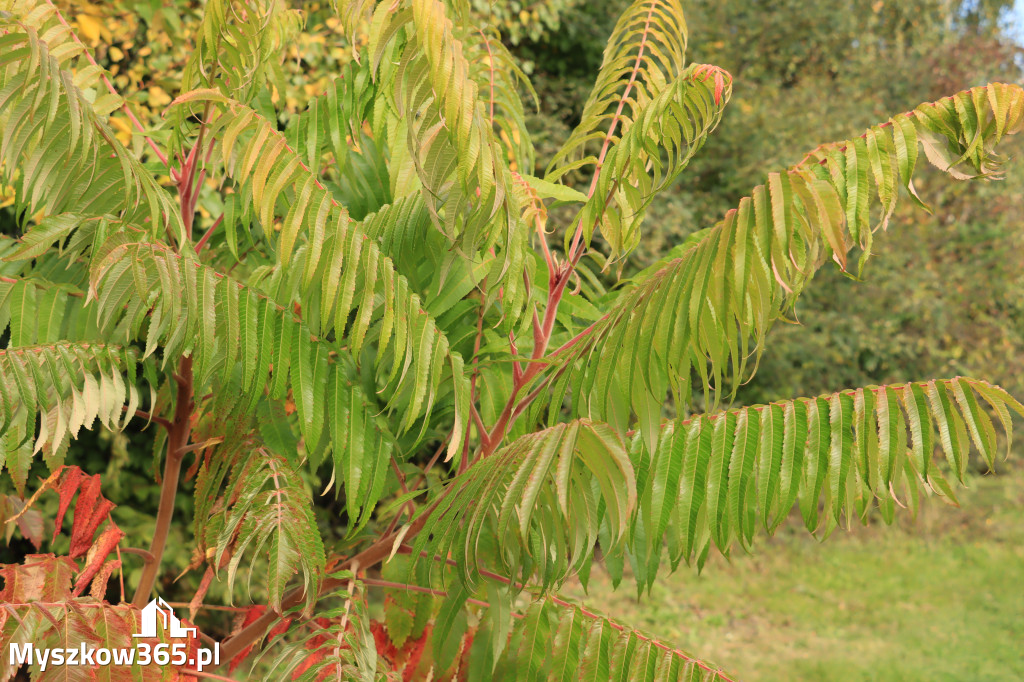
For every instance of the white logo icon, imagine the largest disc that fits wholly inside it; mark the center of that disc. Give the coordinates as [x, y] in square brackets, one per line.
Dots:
[159, 609]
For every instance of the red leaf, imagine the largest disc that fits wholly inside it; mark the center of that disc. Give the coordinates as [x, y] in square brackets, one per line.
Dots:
[415, 650]
[719, 74]
[42, 577]
[98, 554]
[98, 590]
[90, 511]
[309, 662]
[251, 615]
[279, 629]
[382, 640]
[197, 598]
[30, 521]
[67, 489]
[192, 645]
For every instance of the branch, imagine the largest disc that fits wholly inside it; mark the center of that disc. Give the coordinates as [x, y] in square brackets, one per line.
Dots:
[142, 414]
[542, 336]
[206, 237]
[372, 582]
[146, 556]
[199, 446]
[433, 460]
[110, 87]
[409, 507]
[478, 422]
[464, 462]
[579, 337]
[181, 426]
[177, 440]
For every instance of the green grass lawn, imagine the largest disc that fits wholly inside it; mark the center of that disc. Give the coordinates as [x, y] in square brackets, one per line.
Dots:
[935, 600]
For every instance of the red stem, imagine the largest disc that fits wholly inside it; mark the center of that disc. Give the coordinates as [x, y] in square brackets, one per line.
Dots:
[181, 425]
[177, 439]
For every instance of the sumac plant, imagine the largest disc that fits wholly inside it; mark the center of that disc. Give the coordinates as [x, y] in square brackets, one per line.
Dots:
[404, 415]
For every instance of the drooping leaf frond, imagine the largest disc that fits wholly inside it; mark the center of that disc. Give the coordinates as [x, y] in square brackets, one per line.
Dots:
[264, 510]
[652, 152]
[451, 143]
[498, 77]
[710, 308]
[64, 387]
[57, 150]
[644, 56]
[240, 338]
[38, 311]
[716, 478]
[333, 120]
[550, 496]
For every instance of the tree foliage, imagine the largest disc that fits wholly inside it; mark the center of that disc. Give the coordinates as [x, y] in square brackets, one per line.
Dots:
[377, 301]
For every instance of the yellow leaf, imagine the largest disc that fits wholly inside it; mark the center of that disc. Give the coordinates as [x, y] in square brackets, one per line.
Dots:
[157, 97]
[90, 27]
[122, 130]
[116, 54]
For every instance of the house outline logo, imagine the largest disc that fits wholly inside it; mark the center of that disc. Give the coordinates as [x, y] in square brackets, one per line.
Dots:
[159, 610]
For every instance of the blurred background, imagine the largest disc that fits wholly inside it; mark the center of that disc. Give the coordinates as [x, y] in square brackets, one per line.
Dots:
[936, 598]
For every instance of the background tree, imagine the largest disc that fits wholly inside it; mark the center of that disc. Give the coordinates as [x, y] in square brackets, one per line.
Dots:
[359, 299]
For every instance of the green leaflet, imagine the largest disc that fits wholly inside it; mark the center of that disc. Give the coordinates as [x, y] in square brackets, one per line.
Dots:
[718, 479]
[551, 190]
[742, 500]
[841, 408]
[770, 456]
